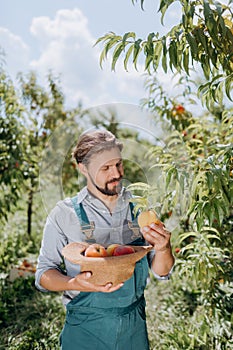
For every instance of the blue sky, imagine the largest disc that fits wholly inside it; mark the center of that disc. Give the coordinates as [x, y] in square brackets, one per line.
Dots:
[58, 35]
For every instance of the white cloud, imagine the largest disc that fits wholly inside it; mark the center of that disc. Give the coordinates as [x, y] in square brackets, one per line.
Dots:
[68, 25]
[66, 46]
[16, 52]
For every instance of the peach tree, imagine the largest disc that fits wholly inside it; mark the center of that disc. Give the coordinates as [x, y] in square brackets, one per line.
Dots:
[30, 113]
[12, 145]
[203, 37]
[193, 187]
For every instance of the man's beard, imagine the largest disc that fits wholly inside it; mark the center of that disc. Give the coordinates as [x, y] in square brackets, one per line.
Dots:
[106, 191]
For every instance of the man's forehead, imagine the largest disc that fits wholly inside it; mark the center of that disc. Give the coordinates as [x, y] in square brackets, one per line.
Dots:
[106, 157]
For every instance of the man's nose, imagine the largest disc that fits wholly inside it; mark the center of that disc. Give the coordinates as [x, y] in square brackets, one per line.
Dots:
[115, 172]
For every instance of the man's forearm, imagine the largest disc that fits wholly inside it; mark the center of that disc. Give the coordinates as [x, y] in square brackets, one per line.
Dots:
[54, 281]
[163, 262]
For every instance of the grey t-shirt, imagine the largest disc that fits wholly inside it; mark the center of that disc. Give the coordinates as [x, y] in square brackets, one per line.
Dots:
[63, 227]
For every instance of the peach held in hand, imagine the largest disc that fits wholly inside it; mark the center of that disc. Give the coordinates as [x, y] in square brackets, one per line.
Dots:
[145, 218]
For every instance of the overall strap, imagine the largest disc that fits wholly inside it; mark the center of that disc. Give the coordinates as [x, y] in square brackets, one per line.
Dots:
[80, 212]
[133, 226]
[132, 206]
[87, 227]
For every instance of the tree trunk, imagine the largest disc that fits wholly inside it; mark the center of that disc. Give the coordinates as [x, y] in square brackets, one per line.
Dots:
[29, 216]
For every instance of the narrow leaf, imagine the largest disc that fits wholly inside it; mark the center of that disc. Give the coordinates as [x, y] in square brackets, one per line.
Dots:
[193, 45]
[136, 51]
[186, 60]
[127, 56]
[116, 54]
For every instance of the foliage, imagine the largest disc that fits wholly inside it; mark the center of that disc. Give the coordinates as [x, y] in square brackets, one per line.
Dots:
[204, 36]
[13, 248]
[12, 142]
[30, 113]
[179, 318]
[194, 188]
[29, 319]
[45, 112]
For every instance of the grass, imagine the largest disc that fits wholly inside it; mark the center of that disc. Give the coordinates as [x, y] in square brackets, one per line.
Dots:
[29, 319]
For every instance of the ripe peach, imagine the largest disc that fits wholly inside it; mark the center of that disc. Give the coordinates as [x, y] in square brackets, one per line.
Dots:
[180, 109]
[110, 249]
[123, 250]
[95, 250]
[145, 218]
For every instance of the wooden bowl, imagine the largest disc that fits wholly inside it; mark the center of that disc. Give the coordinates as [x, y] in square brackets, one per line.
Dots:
[114, 269]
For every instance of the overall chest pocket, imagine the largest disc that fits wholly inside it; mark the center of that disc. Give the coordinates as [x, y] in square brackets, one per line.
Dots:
[131, 232]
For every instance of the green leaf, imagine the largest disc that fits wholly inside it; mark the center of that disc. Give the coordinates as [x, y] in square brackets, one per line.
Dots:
[164, 63]
[207, 10]
[169, 176]
[164, 4]
[157, 54]
[164, 58]
[186, 60]
[149, 59]
[116, 54]
[127, 56]
[222, 26]
[106, 37]
[138, 186]
[127, 36]
[111, 40]
[142, 2]
[186, 235]
[193, 45]
[149, 50]
[173, 54]
[202, 37]
[164, 42]
[136, 51]
[210, 22]
[228, 86]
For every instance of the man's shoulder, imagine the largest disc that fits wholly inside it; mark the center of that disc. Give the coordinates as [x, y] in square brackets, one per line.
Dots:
[63, 213]
[67, 203]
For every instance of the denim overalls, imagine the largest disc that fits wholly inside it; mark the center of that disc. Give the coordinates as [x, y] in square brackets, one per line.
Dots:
[108, 321]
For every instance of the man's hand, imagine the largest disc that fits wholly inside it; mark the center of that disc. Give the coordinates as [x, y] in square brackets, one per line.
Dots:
[157, 235]
[54, 280]
[81, 283]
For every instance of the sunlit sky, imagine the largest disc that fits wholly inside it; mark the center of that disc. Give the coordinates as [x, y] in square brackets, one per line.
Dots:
[59, 35]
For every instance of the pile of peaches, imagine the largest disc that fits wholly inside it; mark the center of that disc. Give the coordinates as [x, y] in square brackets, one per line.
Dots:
[145, 218]
[96, 250]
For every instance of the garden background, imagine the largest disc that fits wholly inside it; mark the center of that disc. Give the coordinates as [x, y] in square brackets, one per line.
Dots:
[189, 180]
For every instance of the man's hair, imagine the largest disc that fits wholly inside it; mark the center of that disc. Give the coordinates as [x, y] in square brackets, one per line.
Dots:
[94, 142]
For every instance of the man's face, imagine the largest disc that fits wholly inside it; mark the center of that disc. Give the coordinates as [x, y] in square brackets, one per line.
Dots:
[105, 171]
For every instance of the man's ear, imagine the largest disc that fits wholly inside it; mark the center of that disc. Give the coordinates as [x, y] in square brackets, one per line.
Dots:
[82, 168]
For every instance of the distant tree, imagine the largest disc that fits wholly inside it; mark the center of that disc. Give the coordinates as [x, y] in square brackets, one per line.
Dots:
[30, 113]
[12, 145]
